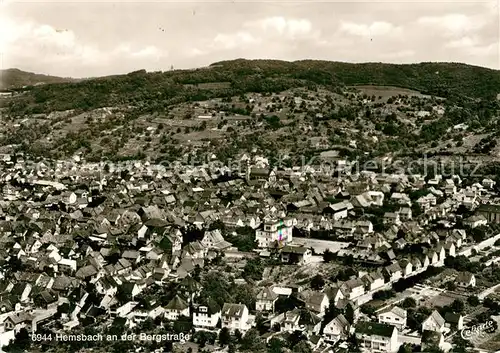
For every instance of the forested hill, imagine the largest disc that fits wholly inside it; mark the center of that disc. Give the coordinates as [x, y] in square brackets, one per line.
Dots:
[12, 78]
[157, 90]
[433, 78]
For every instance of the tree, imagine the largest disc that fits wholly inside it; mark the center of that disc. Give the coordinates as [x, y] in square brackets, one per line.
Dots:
[21, 343]
[302, 347]
[409, 303]
[245, 294]
[238, 336]
[384, 294]
[123, 346]
[349, 313]
[275, 345]
[328, 256]
[224, 336]
[458, 306]
[284, 304]
[182, 324]
[253, 269]
[460, 345]
[405, 348]
[473, 300]
[317, 282]
[260, 324]
[197, 273]
[331, 312]
[353, 344]
[252, 341]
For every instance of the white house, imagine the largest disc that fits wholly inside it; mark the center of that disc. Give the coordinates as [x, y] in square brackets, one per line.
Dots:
[353, 288]
[339, 210]
[298, 320]
[407, 268]
[450, 248]
[434, 322]
[391, 218]
[274, 232]
[176, 308]
[394, 272]
[125, 309]
[466, 279]
[336, 329]
[206, 315]
[266, 299]
[376, 337]
[373, 281]
[235, 317]
[318, 302]
[394, 316]
[296, 254]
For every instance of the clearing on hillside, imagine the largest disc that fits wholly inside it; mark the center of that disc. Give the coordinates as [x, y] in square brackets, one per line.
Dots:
[388, 91]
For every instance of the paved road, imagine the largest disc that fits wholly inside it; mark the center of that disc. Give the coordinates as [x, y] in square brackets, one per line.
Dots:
[488, 291]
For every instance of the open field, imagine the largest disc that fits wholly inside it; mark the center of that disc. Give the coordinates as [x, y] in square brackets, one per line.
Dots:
[210, 85]
[200, 135]
[493, 344]
[387, 91]
[320, 245]
[442, 299]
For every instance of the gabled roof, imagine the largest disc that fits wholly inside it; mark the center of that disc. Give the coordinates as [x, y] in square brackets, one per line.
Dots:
[340, 321]
[20, 317]
[436, 316]
[396, 310]
[233, 310]
[353, 283]
[210, 304]
[307, 317]
[267, 294]
[374, 329]
[294, 249]
[393, 268]
[177, 303]
[452, 318]
[86, 271]
[464, 277]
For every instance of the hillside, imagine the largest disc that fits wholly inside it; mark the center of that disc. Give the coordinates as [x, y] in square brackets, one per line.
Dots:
[15, 78]
[154, 91]
[274, 108]
[443, 79]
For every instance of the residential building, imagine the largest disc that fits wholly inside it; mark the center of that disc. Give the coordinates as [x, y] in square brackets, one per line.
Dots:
[176, 308]
[454, 321]
[276, 233]
[235, 317]
[336, 329]
[466, 279]
[266, 299]
[353, 288]
[490, 212]
[206, 315]
[296, 254]
[376, 337]
[395, 316]
[434, 322]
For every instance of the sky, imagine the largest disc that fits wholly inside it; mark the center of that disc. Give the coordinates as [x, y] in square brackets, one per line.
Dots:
[91, 38]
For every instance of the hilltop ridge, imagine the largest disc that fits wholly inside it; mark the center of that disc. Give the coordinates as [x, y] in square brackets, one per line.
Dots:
[155, 90]
[13, 78]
